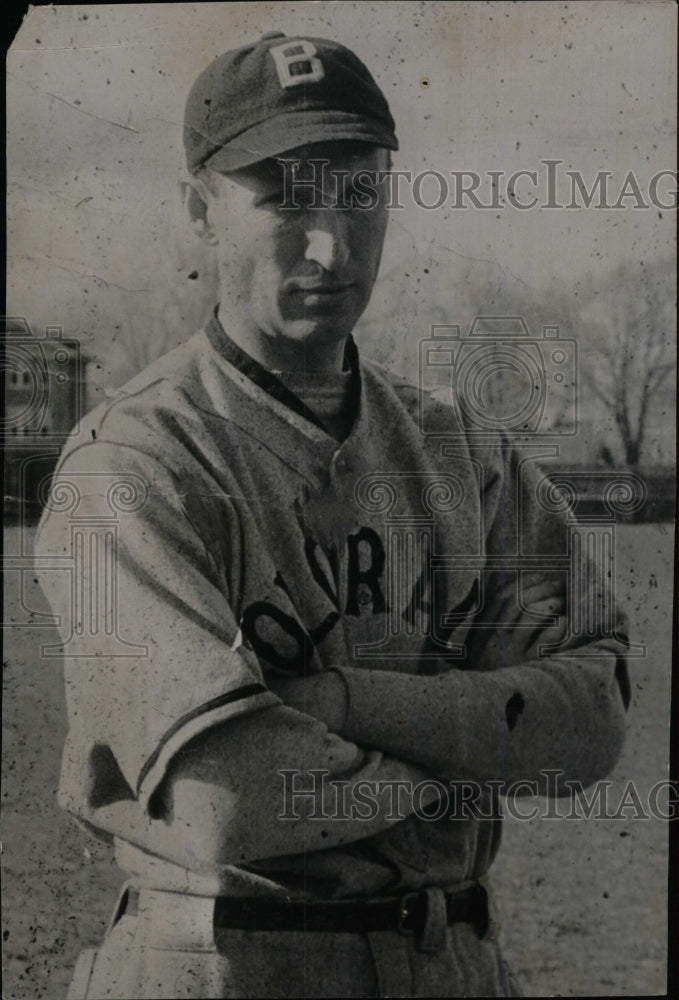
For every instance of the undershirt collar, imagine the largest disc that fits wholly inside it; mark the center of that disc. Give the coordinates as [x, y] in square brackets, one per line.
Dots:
[327, 395]
[282, 385]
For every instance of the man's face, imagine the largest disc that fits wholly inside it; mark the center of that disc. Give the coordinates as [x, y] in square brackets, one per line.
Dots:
[302, 273]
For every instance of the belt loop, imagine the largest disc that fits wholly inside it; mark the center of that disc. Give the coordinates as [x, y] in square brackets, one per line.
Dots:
[487, 922]
[176, 921]
[433, 937]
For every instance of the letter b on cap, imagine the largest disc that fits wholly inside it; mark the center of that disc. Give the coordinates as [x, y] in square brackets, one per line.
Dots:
[297, 62]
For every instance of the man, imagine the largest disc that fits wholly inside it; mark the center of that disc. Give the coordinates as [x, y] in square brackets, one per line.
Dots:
[312, 607]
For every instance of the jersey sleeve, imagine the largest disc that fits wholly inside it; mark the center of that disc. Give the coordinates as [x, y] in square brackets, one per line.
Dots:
[152, 654]
[536, 691]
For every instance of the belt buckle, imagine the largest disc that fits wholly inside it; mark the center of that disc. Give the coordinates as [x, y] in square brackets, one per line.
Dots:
[406, 910]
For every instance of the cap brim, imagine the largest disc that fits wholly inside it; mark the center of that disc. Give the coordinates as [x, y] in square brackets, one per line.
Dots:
[288, 131]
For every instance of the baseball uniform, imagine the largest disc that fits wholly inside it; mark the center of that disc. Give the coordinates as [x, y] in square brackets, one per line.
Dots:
[252, 545]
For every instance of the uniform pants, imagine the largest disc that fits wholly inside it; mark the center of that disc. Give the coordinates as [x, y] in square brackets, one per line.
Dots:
[170, 949]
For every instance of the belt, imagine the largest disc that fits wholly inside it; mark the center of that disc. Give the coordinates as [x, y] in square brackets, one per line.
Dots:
[407, 914]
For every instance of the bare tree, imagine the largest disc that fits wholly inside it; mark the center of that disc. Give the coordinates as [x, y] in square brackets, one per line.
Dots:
[630, 351]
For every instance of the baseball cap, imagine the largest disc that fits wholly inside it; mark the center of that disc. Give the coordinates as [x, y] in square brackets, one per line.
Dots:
[261, 100]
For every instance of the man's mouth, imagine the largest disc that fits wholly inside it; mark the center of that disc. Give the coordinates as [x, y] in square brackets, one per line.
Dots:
[314, 287]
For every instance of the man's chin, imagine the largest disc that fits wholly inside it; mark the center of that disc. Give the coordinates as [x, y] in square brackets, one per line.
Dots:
[317, 331]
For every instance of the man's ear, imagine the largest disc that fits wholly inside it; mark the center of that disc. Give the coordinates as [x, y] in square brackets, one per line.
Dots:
[194, 197]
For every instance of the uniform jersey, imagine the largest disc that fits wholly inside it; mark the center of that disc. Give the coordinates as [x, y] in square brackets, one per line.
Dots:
[235, 540]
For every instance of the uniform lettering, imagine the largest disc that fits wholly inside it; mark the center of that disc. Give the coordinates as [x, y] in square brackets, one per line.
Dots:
[305, 641]
[317, 634]
[297, 663]
[369, 576]
[263, 622]
[319, 576]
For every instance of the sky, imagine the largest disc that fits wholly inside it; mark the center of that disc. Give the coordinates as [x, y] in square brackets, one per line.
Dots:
[95, 104]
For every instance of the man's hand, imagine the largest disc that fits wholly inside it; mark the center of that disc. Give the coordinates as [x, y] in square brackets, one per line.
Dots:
[322, 695]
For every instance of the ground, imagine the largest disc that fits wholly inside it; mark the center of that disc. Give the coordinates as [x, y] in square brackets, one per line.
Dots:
[583, 902]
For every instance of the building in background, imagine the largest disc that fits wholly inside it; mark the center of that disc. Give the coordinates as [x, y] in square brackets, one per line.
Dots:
[44, 396]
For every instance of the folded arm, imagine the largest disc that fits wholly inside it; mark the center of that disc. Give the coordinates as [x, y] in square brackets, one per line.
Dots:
[508, 725]
[512, 709]
[276, 783]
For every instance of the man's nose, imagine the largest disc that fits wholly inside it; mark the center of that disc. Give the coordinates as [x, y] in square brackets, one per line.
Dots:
[326, 241]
